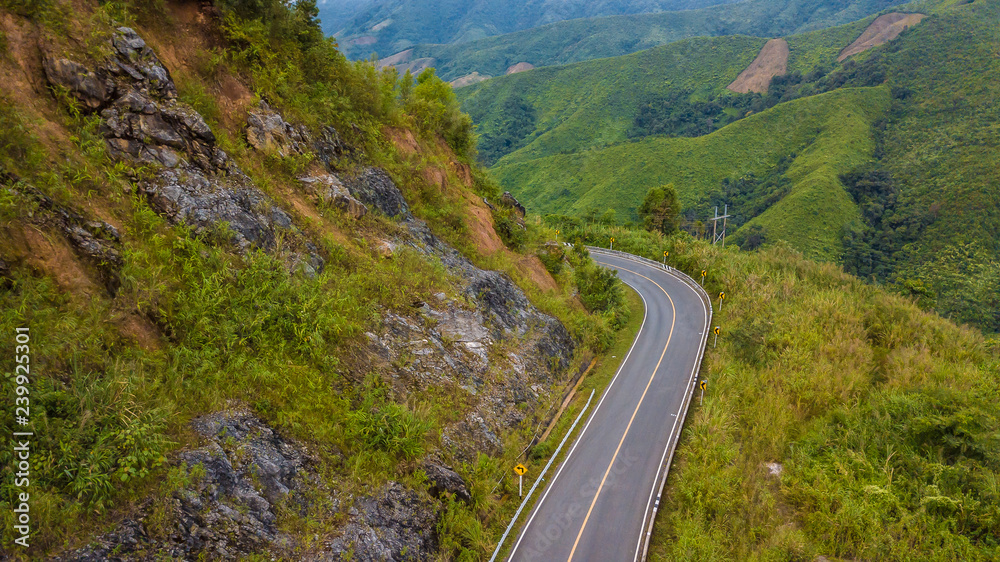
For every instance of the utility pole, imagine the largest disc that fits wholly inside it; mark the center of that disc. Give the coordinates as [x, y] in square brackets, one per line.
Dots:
[716, 235]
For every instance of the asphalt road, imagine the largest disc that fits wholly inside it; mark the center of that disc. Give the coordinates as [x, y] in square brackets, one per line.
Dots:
[596, 505]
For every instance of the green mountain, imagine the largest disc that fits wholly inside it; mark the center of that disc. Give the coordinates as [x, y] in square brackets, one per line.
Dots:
[879, 179]
[558, 110]
[389, 26]
[822, 135]
[334, 14]
[585, 39]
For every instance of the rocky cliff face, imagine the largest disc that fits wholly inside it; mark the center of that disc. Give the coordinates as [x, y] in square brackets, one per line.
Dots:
[241, 477]
[489, 341]
[194, 181]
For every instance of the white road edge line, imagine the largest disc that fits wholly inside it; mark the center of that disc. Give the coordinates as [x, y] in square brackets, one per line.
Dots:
[593, 413]
[665, 467]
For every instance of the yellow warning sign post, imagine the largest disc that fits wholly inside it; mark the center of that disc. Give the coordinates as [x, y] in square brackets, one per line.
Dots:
[520, 469]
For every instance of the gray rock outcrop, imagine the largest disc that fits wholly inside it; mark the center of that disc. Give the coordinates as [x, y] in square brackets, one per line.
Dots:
[395, 525]
[95, 241]
[445, 480]
[194, 181]
[268, 132]
[454, 341]
[509, 200]
[329, 189]
[375, 188]
[229, 512]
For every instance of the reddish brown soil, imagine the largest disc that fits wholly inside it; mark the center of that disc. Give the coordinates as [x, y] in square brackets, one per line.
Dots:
[479, 220]
[882, 30]
[535, 270]
[140, 330]
[770, 62]
[50, 254]
[404, 140]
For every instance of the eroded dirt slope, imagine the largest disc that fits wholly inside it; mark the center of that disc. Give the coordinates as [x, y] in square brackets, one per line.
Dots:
[770, 62]
[882, 30]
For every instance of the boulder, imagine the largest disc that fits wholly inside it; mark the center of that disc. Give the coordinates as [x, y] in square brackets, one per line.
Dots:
[509, 200]
[268, 132]
[329, 189]
[375, 188]
[89, 89]
[445, 480]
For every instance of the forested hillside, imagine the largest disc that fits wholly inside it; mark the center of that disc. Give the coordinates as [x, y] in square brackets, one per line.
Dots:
[389, 26]
[265, 303]
[586, 39]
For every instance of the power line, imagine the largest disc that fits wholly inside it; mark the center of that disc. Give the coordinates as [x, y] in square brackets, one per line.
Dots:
[717, 236]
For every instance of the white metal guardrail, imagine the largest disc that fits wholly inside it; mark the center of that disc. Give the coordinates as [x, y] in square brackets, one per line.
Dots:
[692, 383]
[541, 477]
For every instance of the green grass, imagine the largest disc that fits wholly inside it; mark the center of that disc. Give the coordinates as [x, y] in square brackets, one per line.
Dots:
[882, 416]
[584, 39]
[829, 134]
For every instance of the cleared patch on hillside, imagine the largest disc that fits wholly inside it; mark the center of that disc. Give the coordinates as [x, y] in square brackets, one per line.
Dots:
[401, 57]
[469, 79]
[366, 40]
[882, 30]
[770, 62]
[403, 61]
[519, 67]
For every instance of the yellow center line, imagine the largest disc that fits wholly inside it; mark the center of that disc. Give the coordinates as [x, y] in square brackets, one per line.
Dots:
[636, 411]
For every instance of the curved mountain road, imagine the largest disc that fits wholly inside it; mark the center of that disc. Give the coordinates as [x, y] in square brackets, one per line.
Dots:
[600, 503]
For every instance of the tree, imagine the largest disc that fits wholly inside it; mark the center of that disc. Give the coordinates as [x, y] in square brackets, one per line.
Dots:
[660, 211]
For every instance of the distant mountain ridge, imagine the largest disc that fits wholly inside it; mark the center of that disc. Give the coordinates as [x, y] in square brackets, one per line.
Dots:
[387, 27]
[578, 40]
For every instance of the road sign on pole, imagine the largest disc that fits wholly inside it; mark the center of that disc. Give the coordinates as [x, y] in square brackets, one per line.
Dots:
[612, 247]
[702, 384]
[722, 297]
[520, 469]
[716, 332]
[703, 274]
[665, 254]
